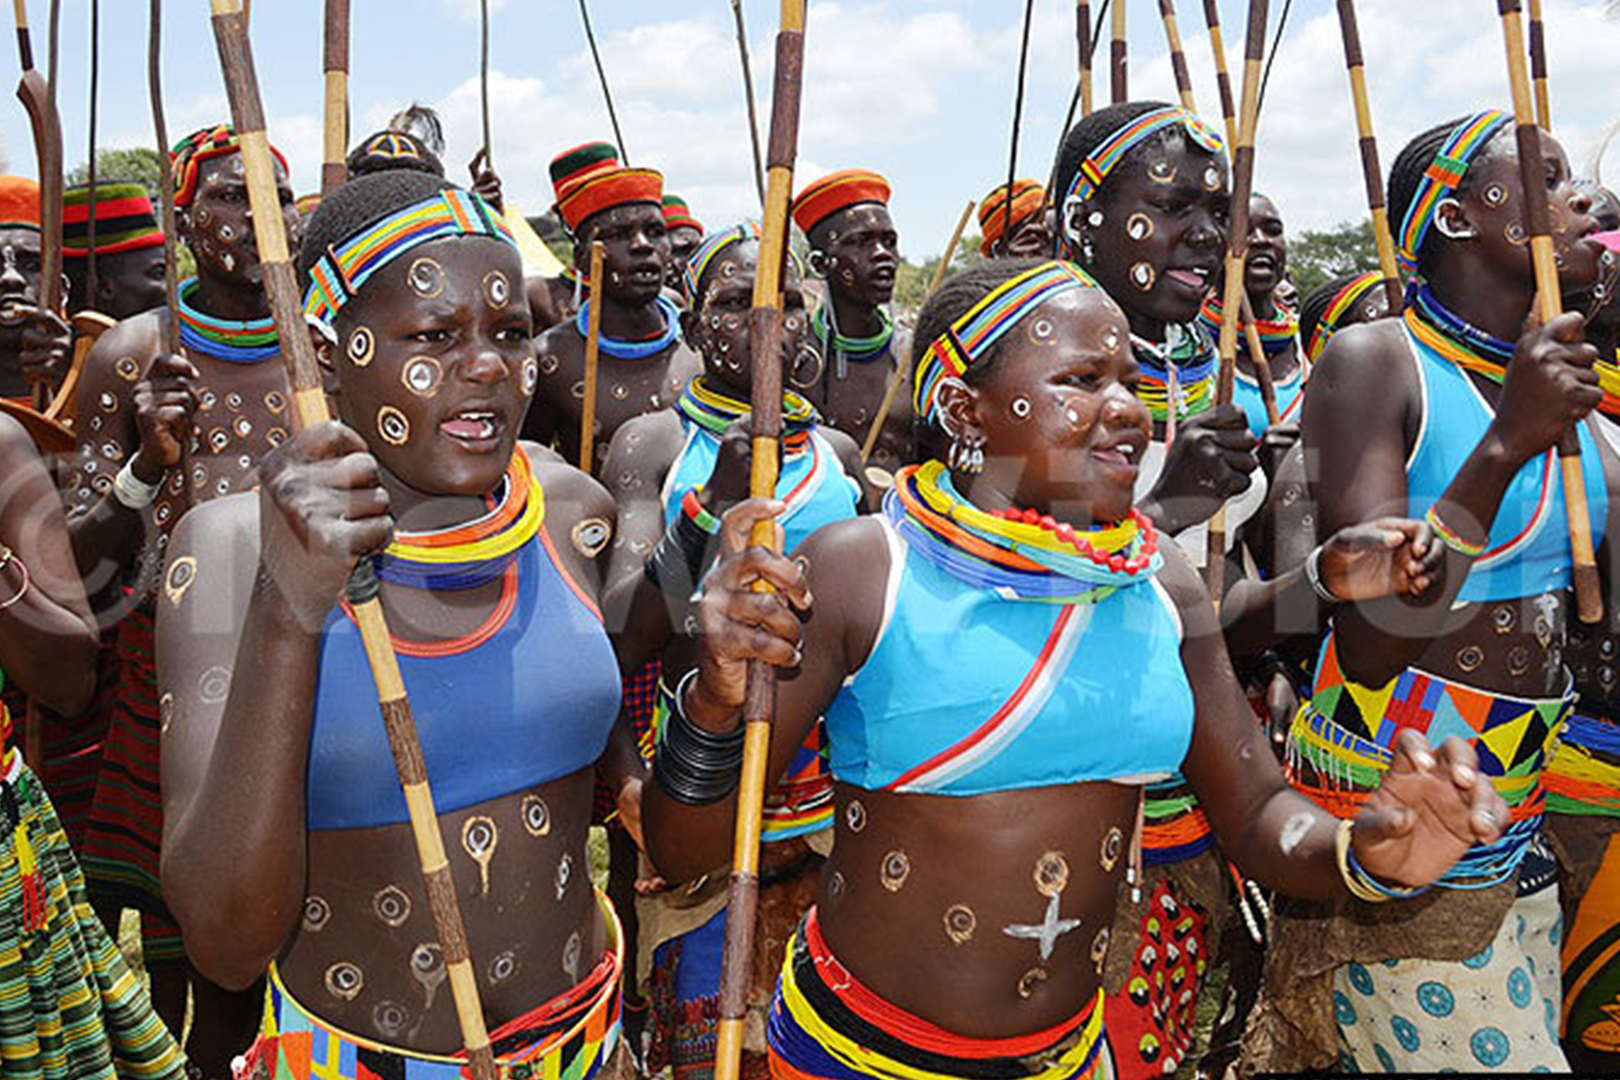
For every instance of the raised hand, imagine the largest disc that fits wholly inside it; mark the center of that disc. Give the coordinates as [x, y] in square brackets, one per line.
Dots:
[1209, 462]
[1550, 385]
[165, 401]
[1387, 557]
[45, 346]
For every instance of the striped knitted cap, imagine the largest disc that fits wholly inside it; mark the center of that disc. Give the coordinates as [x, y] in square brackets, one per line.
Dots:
[19, 202]
[1028, 196]
[392, 150]
[677, 215]
[571, 166]
[124, 219]
[606, 188]
[190, 152]
[838, 191]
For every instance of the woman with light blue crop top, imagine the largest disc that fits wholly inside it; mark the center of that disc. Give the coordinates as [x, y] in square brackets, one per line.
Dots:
[1005, 657]
[288, 847]
[1454, 412]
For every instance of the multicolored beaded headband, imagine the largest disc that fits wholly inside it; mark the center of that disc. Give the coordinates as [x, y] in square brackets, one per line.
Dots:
[1443, 176]
[978, 329]
[344, 270]
[1342, 301]
[713, 245]
[1112, 150]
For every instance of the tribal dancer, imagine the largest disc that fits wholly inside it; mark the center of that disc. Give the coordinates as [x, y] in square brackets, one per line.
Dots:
[643, 364]
[1028, 236]
[674, 474]
[129, 249]
[685, 234]
[142, 469]
[964, 916]
[70, 1007]
[1452, 412]
[34, 343]
[1264, 272]
[854, 347]
[304, 862]
[1339, 302]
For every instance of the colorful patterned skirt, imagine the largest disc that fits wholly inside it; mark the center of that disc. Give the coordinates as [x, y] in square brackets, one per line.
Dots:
[1592, 963]
[70, 1008]
[571, 1037]
[825, 1025]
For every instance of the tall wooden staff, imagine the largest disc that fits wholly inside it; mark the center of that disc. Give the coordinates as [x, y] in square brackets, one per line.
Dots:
[334, 171]
[759, 706]
[160, 126]
[1178, 56]
[1237, 248]
[1549, 305]
[593, 352]
[1116, 56]
[1261, 362]
[247, 112]
[748, 96]
[1372, 174]
[40, 101]
[91, 279]
[483, 78]
[1538, 66]
[1018, 117]
[1082, 44]
[1223, 81]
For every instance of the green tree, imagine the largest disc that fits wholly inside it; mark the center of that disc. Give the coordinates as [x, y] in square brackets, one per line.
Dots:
[140, 164]
[1317, 255]
[911, 282]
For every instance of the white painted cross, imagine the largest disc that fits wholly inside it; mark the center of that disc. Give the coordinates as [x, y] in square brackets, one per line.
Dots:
[1047, 931]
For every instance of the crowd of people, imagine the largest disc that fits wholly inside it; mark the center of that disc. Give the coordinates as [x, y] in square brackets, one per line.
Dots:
[1039, 803]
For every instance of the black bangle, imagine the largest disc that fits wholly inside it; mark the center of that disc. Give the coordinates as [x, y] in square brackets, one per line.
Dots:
[677, 562]
[694, 766]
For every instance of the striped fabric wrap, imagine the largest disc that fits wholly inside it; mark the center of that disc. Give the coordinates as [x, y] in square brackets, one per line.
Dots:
[570, 1037]
[70, 1007]
[1028, 199]
[1112, 150]
[1443, 176]
[1578, 780]
[343, 271]
[976, 331]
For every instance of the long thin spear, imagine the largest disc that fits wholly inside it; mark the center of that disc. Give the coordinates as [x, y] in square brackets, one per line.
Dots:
[90, 277]
[759, 705]
[601, 76]
[1117, 57]
[1371, 172]
[1018, 116]
[1082, 45]
[1223, 81]
[333, 170]
[483, 77]
[1538, 66]
[1549, 305]
[247, 112]
[1237, 248]
[748, 95]
[160, 126]
[1178, 56]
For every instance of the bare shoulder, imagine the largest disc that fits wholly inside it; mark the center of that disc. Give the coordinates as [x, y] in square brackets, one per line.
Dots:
[1362, 356]
[1185, 588]
[562, 341]
[138, 336]
[571, 496]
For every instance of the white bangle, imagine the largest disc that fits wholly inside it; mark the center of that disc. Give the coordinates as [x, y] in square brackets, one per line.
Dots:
[1313, 574]
[131, 490]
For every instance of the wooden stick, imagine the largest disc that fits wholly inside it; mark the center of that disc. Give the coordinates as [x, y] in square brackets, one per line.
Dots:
[759, 704]
[1538, 66]
[1237, 248]
[601, 76]
[748, 96]
[1261, 362]
[483, 77]
[1082, 44]
[1223, 81]
[160, 127]
[1372, 173]
[902, 369]
[35, 92]
[247, 112]
[1178, 56]
[334, 171]
[593, 352]
[91, 279]
[1549, 305]
[1117, 80]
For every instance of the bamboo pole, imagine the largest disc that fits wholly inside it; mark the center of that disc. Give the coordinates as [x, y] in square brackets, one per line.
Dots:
[1261, 362]
[759, 705]
[1178, 56]
[247, 112]
[1082, 44]
[1237, 247]
[1371, 172]
[748, 96]
[902, 369]
[1117, 73]
[334, 171]
[593, 352]
[1549, 305]
[1538, 66]
[160, 127]
[1223, 80]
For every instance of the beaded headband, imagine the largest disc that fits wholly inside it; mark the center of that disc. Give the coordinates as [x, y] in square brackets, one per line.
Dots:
[711, 246]
[978, 329]
[1112, 150]
[1342, 301]
[1443, 176]
[343, 271]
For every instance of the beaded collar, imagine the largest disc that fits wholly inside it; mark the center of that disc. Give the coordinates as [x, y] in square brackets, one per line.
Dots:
[861, 350]
[246, 342]
[475, 552]
[1276, 335]
[1187, 357]
[1608, 373]
[635, 350]
[714, 411]
[1462, 343]
[1019, 555]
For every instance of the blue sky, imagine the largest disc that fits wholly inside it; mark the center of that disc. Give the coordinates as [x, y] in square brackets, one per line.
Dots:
[921, 90]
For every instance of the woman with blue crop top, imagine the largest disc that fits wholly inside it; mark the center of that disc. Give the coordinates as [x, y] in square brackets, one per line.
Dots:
[1004, 658]
[287, 842]
[1454, 411]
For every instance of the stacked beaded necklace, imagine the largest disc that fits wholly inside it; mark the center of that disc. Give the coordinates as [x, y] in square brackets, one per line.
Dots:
[475, 552]
[245, 342]
[1276, 335]
[1188, 357]
[1460, 342]
[859, 349]
[714, 411]
[1608, 373]
[635, 350]
[1018, 554]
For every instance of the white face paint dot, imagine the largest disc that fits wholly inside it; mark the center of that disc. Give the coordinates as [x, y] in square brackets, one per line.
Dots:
[426, 277]
[1139, 226]
[1021, 408]
[1212, 178]
[421, 375]
[531, 374]
[393, 426]
[1142, 276]
[361, 346]
[497, 290]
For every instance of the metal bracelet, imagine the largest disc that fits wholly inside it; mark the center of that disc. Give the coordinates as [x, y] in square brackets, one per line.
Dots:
[695, 766]
[1313, 574]
[133, 492]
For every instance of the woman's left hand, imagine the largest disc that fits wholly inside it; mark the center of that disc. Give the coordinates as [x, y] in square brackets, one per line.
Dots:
[1387, 557]
[1433, 805]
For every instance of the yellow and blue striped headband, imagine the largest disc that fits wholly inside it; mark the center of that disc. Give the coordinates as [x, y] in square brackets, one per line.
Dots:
[976, 331]
[340, 273]
[1112, 150]
[713, 245]
[1444, 176]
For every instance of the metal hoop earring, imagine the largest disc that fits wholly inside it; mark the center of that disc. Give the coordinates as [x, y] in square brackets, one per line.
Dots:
[793, 372]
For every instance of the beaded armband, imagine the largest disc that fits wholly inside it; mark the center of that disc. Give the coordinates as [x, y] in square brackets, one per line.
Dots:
[1451, 538]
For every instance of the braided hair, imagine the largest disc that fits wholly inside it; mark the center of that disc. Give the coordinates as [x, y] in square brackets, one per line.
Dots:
[1407, 172]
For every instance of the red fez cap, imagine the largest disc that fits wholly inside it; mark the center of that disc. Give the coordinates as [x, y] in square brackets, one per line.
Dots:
[1028, 196]
[677, 215]
[838, 191]
[604, 189]
[19, 202]
[575, 164]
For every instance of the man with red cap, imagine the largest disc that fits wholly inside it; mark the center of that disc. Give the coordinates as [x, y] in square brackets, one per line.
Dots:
[857, 348]
[128, 245]
[643, 364]
[685, 234]
[34, 344]
[1019, 231]
[158, 434]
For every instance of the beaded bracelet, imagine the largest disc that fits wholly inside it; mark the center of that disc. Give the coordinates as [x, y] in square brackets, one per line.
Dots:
[694, 509]
[131, 491]
[695, 766]
[1451, 538]
[1361, 884]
